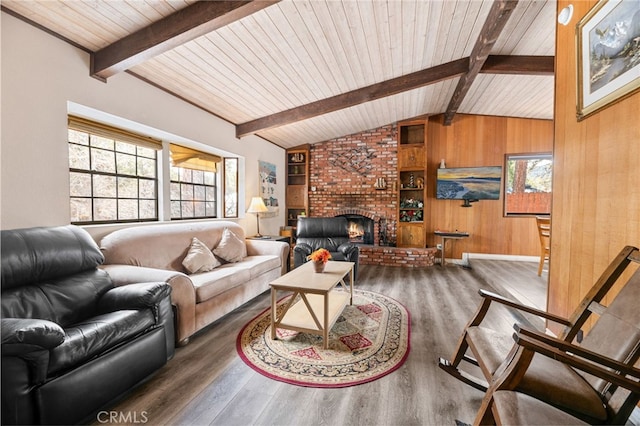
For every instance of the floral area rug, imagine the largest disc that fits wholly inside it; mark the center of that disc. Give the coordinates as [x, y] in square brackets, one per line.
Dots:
[369, 340]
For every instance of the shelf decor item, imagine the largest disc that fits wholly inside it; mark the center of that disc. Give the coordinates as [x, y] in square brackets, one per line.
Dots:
[608, 55]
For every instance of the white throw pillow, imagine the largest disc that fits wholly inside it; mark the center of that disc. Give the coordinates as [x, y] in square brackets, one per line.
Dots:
[231, 247]
[199, 258]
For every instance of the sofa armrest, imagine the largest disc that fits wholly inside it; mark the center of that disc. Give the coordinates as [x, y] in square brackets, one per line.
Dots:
[134, 296]
[349, 250]
[183, 294]
[276, 248]
[31, 332]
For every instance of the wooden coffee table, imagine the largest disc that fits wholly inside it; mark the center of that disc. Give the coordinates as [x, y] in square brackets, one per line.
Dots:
[320, 303]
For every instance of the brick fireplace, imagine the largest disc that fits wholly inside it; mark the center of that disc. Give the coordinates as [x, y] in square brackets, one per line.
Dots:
[342, 177]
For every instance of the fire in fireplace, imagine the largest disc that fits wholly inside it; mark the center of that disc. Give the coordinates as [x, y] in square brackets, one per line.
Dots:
[360, 229]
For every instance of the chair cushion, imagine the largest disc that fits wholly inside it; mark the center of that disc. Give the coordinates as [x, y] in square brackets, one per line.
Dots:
[515, 408]
[96, 335]
[546, 379]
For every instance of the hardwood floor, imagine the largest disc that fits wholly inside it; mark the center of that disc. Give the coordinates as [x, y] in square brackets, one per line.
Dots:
[206, 383]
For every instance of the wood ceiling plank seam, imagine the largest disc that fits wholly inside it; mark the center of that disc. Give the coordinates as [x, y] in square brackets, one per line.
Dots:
[157, 70]
[408, 45]
[172, 85]
[369, 25]
[519, 24]
[542, 40]
[208, 84]
[443, 33]
[337, 83]
[219, 51]
[481, 14]
[459, 40]
[345, 35]
[102, 16]
[302, 46]
[206, 60]
[73, 19]
[445, 95]
[420, 35]
[279, 90]
[381, 14]
[435, 13]
[286, 63]
[51, 19]
[396, 33]
[165, 8]
[332, 34]
[179, 62]
[341, 41]
[356, 27]
[146, 9]
[254, 75]
[125, 16]
[397, 37]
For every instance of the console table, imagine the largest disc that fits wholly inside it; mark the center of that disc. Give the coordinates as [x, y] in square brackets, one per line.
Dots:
[447, 235]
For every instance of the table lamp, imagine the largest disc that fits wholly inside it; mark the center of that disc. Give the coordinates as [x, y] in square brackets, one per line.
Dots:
[257, 206]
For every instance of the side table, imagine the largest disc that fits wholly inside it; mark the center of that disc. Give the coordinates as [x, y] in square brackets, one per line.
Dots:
[448, 236]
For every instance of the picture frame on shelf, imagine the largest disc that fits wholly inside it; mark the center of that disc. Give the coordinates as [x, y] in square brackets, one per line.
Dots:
[608, 55]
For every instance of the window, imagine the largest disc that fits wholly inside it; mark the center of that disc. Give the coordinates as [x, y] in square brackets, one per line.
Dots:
[528, 184]
[116, 176]
[113, 174]
[193, 183]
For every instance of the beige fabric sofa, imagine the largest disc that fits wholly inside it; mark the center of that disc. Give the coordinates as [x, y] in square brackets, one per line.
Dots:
[156, 252]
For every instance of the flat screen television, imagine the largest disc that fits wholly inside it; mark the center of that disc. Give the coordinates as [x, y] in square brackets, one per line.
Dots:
[469, 183]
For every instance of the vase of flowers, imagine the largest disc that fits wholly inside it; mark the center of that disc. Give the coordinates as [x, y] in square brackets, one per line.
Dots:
[319, 258]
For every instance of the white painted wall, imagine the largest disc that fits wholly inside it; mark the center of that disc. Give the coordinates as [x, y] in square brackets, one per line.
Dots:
[40, 75]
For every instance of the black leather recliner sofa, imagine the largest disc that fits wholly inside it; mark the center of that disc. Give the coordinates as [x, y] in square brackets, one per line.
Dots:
[72, 342]
[331, 233]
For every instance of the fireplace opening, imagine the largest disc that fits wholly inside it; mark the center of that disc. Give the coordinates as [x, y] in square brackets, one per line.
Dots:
[360, 228]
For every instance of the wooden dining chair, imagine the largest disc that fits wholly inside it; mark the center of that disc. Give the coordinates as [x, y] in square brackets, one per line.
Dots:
[615, 334]
[544, 232]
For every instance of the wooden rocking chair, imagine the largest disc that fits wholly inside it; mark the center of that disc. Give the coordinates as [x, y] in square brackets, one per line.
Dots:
[502, 406]
[615, 335]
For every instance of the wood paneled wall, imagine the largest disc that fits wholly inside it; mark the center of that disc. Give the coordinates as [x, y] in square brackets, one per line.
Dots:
[473, 141]
[596, 187]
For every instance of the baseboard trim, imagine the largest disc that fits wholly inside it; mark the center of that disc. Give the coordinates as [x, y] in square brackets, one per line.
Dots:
[512, 257]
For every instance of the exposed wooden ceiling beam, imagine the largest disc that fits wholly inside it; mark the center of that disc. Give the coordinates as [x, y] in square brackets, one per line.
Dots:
[355, 97]
[174, 30]
[496, 20]
[528, 65]
[539, 65]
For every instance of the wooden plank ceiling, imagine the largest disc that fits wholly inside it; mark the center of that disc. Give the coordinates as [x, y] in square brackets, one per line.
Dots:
[305, 71]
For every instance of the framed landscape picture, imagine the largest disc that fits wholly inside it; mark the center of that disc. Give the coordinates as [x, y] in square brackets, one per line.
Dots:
[608, 47]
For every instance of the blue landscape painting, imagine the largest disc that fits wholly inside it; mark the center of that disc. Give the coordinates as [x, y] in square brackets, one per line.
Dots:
[470, 183]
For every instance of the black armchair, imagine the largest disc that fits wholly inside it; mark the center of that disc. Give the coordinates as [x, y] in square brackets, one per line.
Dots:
[331, 233]
[72, 342]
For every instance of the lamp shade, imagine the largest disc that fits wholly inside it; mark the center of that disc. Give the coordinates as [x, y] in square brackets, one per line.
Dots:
[257, 206]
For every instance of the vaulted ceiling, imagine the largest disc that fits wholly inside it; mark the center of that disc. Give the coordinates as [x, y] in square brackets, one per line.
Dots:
[305, 71]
